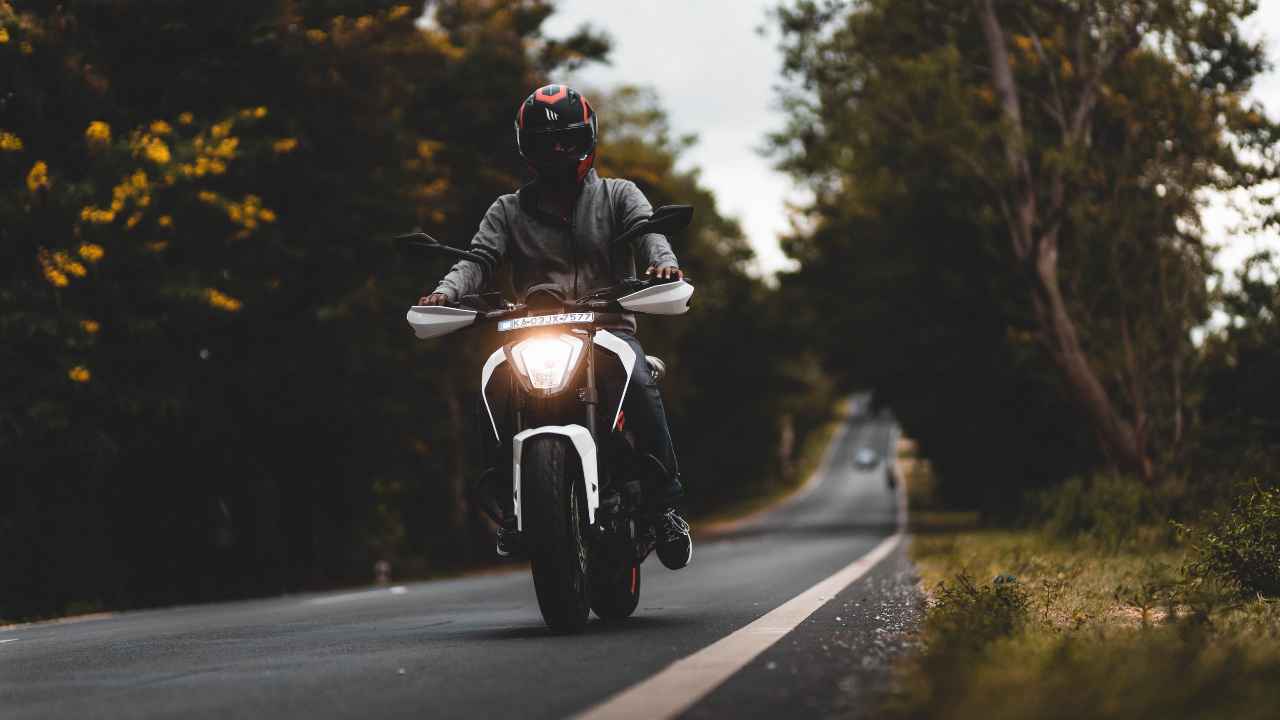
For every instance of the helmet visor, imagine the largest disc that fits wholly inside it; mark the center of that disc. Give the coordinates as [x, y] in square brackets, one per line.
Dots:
[559, 146]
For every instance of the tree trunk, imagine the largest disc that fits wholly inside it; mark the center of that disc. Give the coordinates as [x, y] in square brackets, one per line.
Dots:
[1120, 441]
[1037, 250]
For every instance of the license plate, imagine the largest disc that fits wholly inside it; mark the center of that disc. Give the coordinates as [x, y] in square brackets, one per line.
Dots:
[544, 320]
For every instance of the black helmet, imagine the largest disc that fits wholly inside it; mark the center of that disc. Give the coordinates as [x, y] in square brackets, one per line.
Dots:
[556, 133]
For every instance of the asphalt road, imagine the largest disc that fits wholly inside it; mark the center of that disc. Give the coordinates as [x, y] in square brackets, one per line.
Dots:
[477, 647]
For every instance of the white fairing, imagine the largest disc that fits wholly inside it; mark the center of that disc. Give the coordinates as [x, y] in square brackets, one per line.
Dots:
[626, 355]
[430, 321]
[497, 358]
[586, 448]
[665, 299]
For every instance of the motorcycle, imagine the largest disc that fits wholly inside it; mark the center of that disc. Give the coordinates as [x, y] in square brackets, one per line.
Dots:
[578, 483]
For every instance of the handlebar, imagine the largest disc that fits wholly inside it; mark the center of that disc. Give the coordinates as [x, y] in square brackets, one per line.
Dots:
[665, 220]
[603, 300]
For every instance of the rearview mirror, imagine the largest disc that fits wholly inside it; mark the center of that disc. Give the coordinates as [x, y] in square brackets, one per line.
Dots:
[422, 245]
[666, 219]
[670, 218]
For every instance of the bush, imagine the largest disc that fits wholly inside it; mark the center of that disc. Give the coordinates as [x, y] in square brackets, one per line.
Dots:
[1108, 508]
[1243, 545]
[968, 617]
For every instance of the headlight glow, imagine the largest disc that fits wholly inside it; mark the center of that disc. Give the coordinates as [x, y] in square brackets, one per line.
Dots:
[547, 361]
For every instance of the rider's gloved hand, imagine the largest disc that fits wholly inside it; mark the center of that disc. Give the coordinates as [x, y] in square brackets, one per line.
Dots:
[666, 272]
[434, 299]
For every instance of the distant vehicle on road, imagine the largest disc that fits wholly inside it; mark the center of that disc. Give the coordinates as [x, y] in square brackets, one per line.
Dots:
[865, 458]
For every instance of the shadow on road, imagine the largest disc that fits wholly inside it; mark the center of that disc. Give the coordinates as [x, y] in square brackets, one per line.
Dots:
[636, 624]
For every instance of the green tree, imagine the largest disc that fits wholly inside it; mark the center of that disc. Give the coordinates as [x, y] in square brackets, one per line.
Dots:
[1050, 202]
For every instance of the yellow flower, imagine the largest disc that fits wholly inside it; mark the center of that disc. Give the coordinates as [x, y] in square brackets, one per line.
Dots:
[55, 277]
[38, 177]
[97, 134]
[160, 127]
[221, 129]
[164, 221]
[266, 215]
[91, 252]
[317, 36]
[157, 152]
[207, 196]
[428, 148]
[4, 36]
[217, 167]
[398, 12]
[138, 180]
[90, 326]
[186, 118]
[98, 217]
[260, 111]
[284, 145]
[49, 268]
[64, 263]
[157, 246]
[226, 148]
[133, 221]
[221, 300]
[79, 374]
[364, 22]
[10, 142]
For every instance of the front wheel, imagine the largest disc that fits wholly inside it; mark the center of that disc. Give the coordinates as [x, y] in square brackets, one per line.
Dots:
[551, 515]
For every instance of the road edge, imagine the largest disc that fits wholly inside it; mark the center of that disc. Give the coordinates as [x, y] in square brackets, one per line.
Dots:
[680, 685]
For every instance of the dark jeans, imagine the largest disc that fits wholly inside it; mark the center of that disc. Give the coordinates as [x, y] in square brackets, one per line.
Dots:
[644, 412]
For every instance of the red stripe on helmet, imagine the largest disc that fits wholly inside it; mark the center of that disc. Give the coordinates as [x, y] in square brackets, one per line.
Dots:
[545, 96]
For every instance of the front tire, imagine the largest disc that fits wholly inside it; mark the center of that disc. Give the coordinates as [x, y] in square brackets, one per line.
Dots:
[551, 515]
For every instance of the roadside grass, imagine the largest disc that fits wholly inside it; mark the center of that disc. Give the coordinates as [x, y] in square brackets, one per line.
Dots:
[1095, 611]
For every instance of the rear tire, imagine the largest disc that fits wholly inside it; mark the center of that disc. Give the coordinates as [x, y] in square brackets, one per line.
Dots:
[551, 515]
[615, 589]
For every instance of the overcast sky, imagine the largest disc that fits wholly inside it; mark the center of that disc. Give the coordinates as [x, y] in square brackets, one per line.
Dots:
[715, 74]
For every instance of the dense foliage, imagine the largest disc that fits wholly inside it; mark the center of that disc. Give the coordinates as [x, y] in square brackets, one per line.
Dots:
[1021, 255]
[209, 389]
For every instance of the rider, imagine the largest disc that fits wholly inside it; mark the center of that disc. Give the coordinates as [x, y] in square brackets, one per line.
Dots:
[556, 232]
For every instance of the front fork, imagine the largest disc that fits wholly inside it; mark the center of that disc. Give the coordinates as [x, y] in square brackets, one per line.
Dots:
[582, 437]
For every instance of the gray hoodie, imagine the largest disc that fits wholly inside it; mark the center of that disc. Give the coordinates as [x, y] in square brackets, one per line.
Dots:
[574, 256]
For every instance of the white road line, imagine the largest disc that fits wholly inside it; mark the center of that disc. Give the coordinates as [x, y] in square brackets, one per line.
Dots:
[9, 640]
[686, 681]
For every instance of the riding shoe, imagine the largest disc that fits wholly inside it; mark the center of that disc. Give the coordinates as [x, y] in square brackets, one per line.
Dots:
[675, 542]
[509, 543]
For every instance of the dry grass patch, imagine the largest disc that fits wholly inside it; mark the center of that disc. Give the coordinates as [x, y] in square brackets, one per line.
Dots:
[1020, 625]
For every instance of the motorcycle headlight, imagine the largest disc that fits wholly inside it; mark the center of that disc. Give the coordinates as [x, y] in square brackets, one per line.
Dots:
[547, 362]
